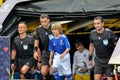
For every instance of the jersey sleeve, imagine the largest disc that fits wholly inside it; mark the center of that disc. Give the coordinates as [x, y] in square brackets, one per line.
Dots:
[37, 34]
[113, 36]
[66, 42]
[74, 63]
[90, 38]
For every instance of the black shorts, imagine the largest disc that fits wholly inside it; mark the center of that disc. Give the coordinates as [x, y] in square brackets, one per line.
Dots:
[45, 58]
[29, 62]
[102, 67]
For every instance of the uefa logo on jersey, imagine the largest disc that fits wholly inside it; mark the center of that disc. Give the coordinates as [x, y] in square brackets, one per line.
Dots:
[105, 41]
[25, 47]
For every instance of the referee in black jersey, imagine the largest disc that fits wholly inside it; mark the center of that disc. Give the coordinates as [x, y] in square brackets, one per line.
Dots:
[22, 48]
[103, 40]
[42, 38]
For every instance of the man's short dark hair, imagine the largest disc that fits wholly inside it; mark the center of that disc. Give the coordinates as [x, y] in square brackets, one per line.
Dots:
[44, 16]
[99, 17]
[23, 22]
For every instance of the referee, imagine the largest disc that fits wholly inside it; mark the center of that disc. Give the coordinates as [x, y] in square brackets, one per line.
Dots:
[22, 48]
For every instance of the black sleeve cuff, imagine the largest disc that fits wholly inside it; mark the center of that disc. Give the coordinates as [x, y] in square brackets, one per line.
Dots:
[90, 58]
[12, 61]
[39, 61]
[35, 49]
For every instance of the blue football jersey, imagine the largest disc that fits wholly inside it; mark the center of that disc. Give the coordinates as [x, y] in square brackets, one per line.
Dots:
[59, 45]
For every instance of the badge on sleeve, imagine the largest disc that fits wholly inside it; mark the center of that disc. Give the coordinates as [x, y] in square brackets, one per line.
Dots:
[25, 47]
[105, 41]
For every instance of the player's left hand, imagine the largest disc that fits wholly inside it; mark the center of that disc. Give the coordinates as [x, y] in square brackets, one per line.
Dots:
[62, 56]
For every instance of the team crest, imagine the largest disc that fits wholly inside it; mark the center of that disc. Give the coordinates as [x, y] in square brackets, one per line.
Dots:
[84, 55]
[61, 42]
[105, 41]
[25, 47]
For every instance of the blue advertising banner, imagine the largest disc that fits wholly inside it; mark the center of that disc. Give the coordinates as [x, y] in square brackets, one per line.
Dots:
[4, 57]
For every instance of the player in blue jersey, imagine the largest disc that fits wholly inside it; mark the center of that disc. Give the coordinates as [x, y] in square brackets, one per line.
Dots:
[59, 48]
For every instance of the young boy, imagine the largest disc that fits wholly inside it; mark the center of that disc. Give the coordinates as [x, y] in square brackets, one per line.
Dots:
[81, 68]
[59, 48]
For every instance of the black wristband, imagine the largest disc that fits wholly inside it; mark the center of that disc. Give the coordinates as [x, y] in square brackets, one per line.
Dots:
[12, 61]
[90, 58]
[35, 49]
[39, 61]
